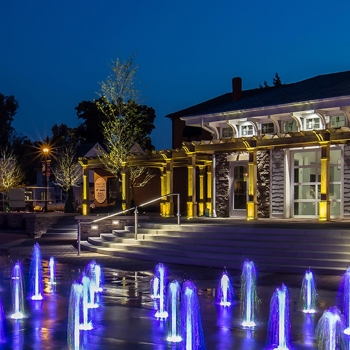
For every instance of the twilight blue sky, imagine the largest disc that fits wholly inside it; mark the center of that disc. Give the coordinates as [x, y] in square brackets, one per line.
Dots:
[54, 53]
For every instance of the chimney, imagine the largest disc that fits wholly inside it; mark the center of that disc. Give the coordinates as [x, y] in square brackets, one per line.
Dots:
[236, 88]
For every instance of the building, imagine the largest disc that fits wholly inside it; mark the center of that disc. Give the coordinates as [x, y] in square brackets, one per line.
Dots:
[277, 152]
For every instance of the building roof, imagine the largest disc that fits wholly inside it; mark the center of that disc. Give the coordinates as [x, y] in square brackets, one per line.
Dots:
[316, 88]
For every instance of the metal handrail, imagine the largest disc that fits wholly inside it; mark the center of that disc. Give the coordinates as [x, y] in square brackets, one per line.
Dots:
[136, 215]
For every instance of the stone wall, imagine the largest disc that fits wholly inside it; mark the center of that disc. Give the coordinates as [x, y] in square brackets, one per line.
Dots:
[263, 183]
[222, 178]
[346, 179]
[277, 187]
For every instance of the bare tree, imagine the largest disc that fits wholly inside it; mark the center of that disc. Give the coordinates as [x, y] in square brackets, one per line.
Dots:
[11, 173]
[125, 121]
[67, 172]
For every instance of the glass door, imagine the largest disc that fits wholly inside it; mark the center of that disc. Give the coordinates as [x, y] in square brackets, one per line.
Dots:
[239, 176]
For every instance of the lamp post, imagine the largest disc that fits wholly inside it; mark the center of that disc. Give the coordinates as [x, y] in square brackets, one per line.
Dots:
[46, 170]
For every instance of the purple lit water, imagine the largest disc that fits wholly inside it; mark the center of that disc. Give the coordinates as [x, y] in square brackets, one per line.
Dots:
[17, 292]
[36, 273]
[162, 274]
[173, 322]
[225, 294]
[74, 314]
[249, 297]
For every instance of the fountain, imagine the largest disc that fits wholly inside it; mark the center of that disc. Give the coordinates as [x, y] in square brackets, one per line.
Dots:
[2, 318]
[249, 298]
[308, 294]
[345, 288]
[161, 273]
[86, 325]
[329, 331]
[52, 272]
[191, 323]
[17, 292]
[279, 323]
[225, 294]
[94, 272]
[36, 274]
[74, 308]
[173, 306]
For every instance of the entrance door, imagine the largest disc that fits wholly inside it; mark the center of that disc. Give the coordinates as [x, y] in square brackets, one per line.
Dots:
[239, 176]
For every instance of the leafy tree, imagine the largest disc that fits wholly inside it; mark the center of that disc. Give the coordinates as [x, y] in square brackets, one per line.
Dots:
[90, 130]
[8, 109]
[63, 134]
[277, 80]
[67, 172]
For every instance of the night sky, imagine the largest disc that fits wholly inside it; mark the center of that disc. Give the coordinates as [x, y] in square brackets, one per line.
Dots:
[54, 53]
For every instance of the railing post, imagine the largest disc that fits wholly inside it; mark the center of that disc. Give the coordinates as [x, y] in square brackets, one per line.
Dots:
[79, 237]
[136, 223]
[178, 209]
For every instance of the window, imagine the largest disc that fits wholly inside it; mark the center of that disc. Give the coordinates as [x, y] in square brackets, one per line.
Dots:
[247, 130]
[337, 121]
[290, 126]
[268, 128]
[226, 132]
[312, 123]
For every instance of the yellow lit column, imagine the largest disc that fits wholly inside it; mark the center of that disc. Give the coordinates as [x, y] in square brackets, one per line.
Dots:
[162, 190]
[169, 185]
[324, 203]
[191, 186]
[252, 207]
[85, 195]
[201, 190]
[125, 186]
[208, 204]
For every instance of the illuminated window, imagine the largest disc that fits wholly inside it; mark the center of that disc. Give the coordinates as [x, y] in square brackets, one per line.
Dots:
[268, 128]
[312, 123]
[247, 130]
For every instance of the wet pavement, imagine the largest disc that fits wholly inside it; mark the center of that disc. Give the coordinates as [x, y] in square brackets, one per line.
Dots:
[125, 318]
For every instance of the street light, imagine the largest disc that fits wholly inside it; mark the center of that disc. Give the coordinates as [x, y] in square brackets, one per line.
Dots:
[46, 170]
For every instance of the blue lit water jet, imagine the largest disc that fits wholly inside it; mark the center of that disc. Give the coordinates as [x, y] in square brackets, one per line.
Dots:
[36, 274]
[52, 271]
[2, 320]
[308, 293]
[173, 323]
[17, 292]
[225, 295]
[279, 322]
[86, 325]
[74, 309]
[162, 274]
[191, 323]
[329, 331]
[345, 286]
[95, 273]
[249, 298]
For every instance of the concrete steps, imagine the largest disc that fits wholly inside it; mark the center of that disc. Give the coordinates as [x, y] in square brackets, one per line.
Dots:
[66, 227]
[272, 249]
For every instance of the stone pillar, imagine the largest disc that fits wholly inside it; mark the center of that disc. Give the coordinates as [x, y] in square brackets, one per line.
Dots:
[191, 186]
[324, 203]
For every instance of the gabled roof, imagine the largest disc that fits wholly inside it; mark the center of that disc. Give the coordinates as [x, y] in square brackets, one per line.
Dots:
[87, 149]
[316, 88]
